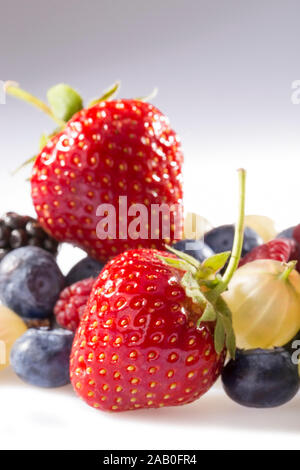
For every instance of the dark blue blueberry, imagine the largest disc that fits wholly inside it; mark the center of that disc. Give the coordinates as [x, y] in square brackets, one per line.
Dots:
[30, 282]
[196, 248]
[220, 239]
[41, 357]
[87, 267]
[287, 233]
[261, 378]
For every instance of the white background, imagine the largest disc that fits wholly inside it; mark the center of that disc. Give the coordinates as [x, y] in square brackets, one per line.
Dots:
[224, 72]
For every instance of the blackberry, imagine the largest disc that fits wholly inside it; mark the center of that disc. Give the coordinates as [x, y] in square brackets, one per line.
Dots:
[18, 230]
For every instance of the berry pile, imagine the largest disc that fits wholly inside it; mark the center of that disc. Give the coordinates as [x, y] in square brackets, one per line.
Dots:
[17, 231]
[133, 325]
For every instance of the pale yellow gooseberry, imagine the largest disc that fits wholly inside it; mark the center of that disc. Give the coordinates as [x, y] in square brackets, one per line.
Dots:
[11, 328]
[264, 298]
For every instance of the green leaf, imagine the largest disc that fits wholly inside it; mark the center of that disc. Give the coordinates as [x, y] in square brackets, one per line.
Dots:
[219, 336]
[216, 262]
[193, 290]
[26, 163]
[43, 141]
[209, 314]
[148, 97]
[231, 344]
[107, 94]
[174, 262]
[204, 286]
[224, 309]
[64, 101]
[45, 138]
[210, 283]
[189, 259]
[225, 316]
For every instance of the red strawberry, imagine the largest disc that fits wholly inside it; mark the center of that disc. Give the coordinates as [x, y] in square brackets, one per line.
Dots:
[72, 303]
[138, 345]
[281, 249]
[115, 148]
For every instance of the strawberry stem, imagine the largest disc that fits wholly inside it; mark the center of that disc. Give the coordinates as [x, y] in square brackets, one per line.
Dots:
[205, 287]
[239, 231]
[14, 90]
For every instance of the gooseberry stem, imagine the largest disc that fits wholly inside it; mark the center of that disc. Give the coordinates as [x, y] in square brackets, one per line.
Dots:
[13, 89]
[289, 268]
[239, 231]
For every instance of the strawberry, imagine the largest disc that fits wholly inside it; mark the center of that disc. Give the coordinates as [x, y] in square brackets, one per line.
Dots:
[114, 148]
[138, 344]
[156, 328]
[280, 249]
[72, 303]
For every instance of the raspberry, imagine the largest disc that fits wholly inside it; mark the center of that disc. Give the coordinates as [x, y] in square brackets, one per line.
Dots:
[72, 302]
[281, 249]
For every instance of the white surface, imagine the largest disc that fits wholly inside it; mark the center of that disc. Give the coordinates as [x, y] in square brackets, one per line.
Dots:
[224, 72]
[57, 419]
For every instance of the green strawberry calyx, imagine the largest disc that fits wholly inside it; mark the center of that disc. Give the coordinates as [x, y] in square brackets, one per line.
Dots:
[63, 103]
[204, 285]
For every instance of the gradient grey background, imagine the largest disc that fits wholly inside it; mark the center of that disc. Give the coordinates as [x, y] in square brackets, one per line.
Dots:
[224, 71]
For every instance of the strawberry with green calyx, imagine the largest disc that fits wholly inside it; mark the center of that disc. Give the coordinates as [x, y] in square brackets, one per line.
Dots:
[154, 329]
[113, 148]
[63, 103]
[204, 286]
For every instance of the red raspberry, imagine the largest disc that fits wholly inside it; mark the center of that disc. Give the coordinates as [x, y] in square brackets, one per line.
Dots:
[281, 249]
[72, 302]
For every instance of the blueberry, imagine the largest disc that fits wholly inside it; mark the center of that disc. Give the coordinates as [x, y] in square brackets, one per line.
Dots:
[30, 282]
[220, 239]
[287, 233]
[41, 357]
[261, 378]
[3, 252]
[196, 248]
[87, 267]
